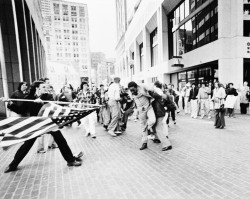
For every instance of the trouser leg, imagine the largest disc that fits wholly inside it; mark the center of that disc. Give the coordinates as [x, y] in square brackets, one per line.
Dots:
[106, 115]
[162, 132]
[125, 117]
[22, 152]
[41, 143]
[115, 113]
[92, 122]
[143, 123]
[63, 146]
[151, 117]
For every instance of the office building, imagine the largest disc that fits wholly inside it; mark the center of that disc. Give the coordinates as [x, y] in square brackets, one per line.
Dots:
[183, 41]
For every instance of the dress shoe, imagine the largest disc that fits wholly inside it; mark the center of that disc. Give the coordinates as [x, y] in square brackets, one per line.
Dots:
[93, 136]
[79, 122]
[9, 169]
[41, 151]
[75, 164]
[87, 134]
[78, 156]
[167, 148]
[53, 146]
[156, 141]
[112, 133]
[106, 127]
[222, 127]
[144, 146]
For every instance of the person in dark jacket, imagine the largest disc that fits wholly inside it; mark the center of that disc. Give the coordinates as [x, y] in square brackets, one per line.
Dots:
[127, 108]
[160, 128]
[17, 106]
[194, 101]
[231, 91]
[34, 108]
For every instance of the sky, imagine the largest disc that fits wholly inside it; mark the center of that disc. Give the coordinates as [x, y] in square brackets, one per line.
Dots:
[102, 25]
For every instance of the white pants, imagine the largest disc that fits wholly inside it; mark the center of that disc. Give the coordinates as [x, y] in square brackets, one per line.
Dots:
[205, 110]
[89, 123]
[187, 105]
[194, 108]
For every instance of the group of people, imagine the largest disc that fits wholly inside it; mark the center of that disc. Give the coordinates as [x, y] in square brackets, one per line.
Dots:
[214, 99]
[153, 105]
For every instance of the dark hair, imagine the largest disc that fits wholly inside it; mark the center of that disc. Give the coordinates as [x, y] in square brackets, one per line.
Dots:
[230, 84]
[132, 84]
[193, 84]
[101, 85]
[158, 84]
[20, 85]
[83, 83]
[33, 87]
[71, 87]
[43, 79]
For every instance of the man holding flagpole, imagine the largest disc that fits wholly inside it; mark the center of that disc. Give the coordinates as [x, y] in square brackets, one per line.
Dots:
[34, 108]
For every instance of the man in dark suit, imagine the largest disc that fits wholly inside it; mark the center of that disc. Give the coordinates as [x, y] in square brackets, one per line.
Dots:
[194, 101]
[37, 93]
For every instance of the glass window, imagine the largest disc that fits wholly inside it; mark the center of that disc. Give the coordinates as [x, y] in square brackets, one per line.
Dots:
[187, 8]
[65, 9]
[177, 16]
[192, 6]
[181, 40]
[141, 56]
[175, 43]
[182, 12]
[154, 47]
[189, 35]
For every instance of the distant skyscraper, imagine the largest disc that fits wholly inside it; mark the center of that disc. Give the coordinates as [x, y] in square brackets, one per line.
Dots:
[67, 37]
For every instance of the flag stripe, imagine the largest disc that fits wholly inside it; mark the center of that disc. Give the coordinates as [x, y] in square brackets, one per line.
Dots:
[8, 123]
[11, 140]
[22, 126]
[34, 127]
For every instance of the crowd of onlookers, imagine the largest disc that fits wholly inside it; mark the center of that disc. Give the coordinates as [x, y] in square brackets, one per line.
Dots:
[119, 104]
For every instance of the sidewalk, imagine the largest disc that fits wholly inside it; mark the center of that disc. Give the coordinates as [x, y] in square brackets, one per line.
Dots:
[204, 163]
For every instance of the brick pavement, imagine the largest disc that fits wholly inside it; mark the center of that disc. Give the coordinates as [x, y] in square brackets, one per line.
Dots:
[205, 163]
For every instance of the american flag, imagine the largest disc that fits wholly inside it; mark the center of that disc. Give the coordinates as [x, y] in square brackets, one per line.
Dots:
[51, 117]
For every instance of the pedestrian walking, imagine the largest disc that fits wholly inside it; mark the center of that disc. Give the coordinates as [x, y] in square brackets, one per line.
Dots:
[33, 109]
[194, 101]
[219, 95]
[203, 100]
[147, 117]
[244, 98]
[114, 92]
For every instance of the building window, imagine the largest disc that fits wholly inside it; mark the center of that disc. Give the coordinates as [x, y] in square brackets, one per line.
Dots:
[198, 31]
[56, 8]
[74, 19]
[65, 18]
[74, 25]
[73, 11]
[81, 12]
[65, 9]
[141, 56]
[154, 47]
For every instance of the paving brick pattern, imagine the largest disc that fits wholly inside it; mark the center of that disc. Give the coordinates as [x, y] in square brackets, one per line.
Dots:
[205, 163]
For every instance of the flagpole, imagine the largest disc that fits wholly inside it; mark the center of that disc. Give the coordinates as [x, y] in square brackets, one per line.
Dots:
[56, 102]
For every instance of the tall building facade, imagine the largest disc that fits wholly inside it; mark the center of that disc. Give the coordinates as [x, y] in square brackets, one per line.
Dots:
[183, 41]
[22, 54]
[68, 39]
[102, 69]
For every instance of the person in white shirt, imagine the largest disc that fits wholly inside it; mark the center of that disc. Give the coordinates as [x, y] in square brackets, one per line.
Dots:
[115, 107]
[186, 92]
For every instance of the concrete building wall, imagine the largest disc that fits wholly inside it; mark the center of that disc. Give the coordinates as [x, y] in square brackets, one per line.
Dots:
[228, 51]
